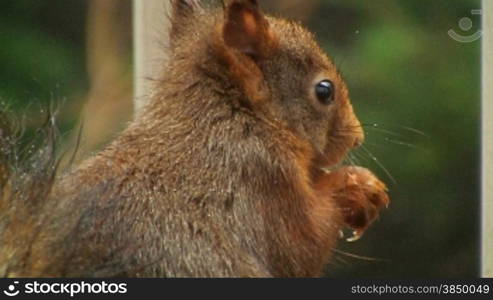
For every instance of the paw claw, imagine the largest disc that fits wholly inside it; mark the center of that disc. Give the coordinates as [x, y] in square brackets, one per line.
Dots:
[361, 199]
[355, 237]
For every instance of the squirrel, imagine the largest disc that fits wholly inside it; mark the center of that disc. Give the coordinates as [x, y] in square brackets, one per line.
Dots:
[232, 169]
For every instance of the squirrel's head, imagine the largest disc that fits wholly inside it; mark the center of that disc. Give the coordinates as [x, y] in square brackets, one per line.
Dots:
[277, 69]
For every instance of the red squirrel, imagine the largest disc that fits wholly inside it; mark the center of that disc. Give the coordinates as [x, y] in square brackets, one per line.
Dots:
[232, 169]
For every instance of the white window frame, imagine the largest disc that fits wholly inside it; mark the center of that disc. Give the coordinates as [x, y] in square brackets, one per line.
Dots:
[487, 142]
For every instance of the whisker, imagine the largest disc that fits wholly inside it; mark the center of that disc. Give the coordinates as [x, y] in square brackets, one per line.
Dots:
[77, 145]
[378, 145]
[415, 131]
[366, 258]
[353, 159]
[373, 128]
[406, 128]
[379, 164]
[340, 261]
[360, 156]
[346, 131]
[401, 143]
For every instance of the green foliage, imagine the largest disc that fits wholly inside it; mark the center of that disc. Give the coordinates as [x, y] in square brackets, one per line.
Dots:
[42, 53]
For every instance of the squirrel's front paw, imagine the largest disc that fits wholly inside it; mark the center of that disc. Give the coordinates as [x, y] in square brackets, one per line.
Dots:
[360, 195]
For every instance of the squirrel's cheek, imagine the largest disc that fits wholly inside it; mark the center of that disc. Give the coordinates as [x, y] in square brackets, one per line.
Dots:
[335, 152]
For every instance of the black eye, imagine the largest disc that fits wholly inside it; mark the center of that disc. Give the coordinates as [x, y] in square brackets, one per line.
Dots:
[325, 92]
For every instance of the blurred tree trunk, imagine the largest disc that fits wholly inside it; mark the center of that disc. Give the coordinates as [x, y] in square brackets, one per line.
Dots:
[109, 102]
[108, 105]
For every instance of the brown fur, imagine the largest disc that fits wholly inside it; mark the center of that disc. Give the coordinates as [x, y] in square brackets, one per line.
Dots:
[220, 175]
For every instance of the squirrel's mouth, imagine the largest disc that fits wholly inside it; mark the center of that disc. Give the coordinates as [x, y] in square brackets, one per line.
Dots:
[333, 160]
[333, 167]
[337, 150]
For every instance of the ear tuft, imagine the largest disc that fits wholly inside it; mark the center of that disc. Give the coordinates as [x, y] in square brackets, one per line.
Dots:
[184, 7]
[247, 30]
[181, 13]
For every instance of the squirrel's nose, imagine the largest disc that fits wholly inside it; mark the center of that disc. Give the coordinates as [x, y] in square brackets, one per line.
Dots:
[359, 139]
[358, 142]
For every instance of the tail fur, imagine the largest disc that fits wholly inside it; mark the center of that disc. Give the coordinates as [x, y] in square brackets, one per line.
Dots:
[27, 173]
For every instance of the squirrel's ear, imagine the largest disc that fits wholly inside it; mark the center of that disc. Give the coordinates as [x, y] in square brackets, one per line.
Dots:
[181, 13]
[182, 8]
[247, 30]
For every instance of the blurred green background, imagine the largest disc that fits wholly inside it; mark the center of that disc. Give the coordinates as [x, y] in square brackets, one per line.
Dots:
[416, 90]
[42, 52]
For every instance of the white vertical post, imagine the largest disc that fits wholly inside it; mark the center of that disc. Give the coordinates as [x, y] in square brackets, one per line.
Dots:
[151, 23]
[487, 132]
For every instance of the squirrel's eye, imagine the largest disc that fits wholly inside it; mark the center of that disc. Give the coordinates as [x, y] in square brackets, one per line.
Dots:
[325, 92]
